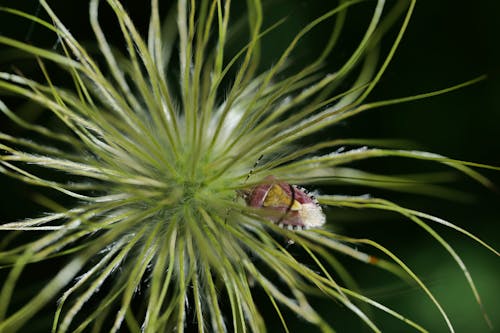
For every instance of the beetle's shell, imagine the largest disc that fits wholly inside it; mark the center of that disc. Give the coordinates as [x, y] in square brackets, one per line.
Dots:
[292, 210]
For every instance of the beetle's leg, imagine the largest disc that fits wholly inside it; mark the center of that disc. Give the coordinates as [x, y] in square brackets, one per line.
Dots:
[289, 208]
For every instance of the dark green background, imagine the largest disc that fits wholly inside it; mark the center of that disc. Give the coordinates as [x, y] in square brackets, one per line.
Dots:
[448, 42]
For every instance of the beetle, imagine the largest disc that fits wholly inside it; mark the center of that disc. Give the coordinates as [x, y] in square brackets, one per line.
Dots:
[289, 206]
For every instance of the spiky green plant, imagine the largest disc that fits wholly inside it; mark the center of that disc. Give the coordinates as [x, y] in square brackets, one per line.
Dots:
[154, 151]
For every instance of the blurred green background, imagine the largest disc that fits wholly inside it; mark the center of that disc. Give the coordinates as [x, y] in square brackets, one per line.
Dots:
[447, 42]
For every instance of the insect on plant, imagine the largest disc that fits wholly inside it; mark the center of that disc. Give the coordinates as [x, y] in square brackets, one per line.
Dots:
[149, 144]
[289, 206]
